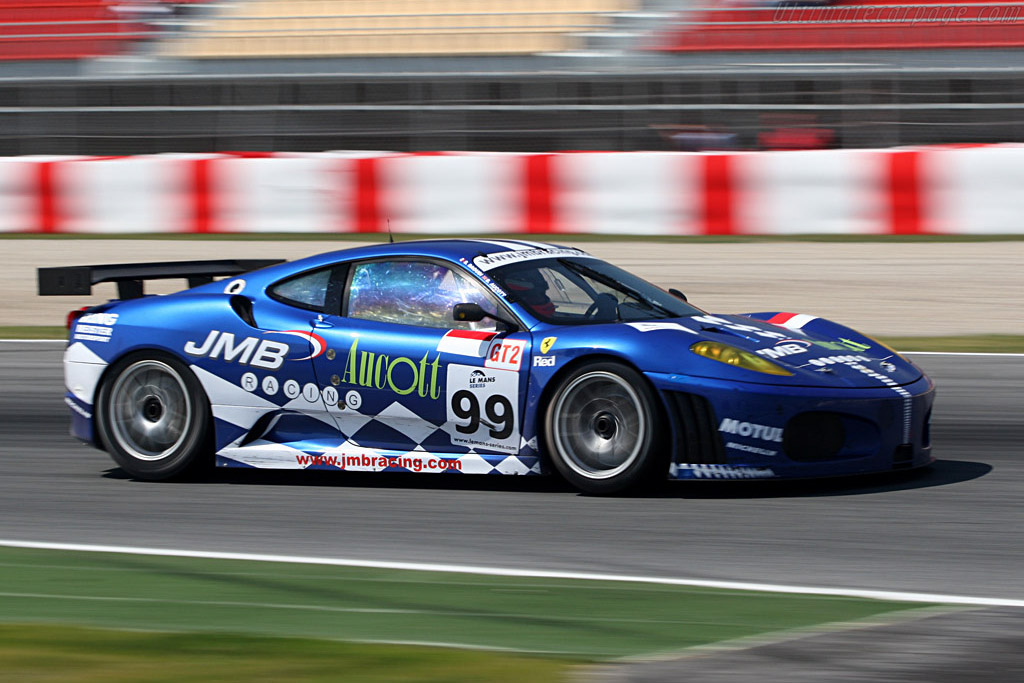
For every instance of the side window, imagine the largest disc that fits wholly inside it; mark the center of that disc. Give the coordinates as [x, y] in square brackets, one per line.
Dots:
[414, 293]
[308, 290]
[549, 293]
[567, 295]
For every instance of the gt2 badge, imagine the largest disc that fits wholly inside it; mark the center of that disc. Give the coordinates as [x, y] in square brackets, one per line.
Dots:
[506, 354]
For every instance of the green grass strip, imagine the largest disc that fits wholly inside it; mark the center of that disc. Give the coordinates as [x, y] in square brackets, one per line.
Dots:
[978, 343]
[581, 620]
[56, 653]
[982, 343]
[33, 332]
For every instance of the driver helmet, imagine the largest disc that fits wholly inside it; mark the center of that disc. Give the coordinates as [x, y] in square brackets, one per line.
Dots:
[530, 289]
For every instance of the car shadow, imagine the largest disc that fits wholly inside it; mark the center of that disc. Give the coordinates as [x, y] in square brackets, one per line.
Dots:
[940, 473]
[367, 480]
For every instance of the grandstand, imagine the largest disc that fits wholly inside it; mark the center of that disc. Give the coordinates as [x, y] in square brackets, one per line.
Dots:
[145, 76]
[62, 29]
[305, 28]
[846, 24]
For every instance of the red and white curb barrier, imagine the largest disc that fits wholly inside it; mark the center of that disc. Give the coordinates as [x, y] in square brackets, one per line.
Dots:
[928, 190]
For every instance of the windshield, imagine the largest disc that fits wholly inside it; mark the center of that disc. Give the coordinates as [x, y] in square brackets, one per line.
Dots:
[576, 291]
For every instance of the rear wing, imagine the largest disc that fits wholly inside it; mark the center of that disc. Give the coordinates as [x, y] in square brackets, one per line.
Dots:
[78, 280]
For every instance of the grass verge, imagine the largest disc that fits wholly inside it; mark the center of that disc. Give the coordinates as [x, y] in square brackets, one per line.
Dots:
[31, 652]
[33, 332]
[58, 653]
[232, 620]
[981, 343]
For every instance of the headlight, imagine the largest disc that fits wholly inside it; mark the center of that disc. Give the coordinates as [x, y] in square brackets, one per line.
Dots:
[730, 355]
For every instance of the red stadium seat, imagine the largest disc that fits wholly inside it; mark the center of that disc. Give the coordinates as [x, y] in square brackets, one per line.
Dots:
[860, 24]
[62, 29]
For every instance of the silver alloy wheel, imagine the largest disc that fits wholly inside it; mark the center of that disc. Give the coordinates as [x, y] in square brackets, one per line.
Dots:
[599, 425]
[150, 410]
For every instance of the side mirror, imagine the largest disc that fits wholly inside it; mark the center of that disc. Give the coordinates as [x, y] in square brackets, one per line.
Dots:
[468, 313]
[676, 293]
[472, 313]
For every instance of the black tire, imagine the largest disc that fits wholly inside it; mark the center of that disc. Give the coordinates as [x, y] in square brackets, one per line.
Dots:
[602, 429]
[154, 417]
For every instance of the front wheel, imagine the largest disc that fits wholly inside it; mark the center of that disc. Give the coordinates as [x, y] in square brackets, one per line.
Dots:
[602, 429]
[153, 416]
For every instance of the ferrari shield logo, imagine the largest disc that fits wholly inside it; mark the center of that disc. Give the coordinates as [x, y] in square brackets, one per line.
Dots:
[547, 343]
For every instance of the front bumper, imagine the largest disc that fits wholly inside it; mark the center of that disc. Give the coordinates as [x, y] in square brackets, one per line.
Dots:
[731, 430]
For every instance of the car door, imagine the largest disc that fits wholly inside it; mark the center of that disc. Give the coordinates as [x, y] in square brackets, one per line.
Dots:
[266, 399]
[408, 377]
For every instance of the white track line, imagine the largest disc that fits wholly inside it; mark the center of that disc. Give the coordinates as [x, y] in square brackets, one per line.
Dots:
[899, 596]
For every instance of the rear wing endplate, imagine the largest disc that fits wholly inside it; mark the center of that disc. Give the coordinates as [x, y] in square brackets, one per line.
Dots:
[78, 280]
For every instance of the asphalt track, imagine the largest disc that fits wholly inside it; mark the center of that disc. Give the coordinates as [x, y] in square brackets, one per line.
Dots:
[956, 528]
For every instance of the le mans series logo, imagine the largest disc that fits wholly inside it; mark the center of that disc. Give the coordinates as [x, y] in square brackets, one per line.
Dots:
[479, 380]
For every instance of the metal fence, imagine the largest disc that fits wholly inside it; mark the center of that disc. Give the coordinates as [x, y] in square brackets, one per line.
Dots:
[525, 112]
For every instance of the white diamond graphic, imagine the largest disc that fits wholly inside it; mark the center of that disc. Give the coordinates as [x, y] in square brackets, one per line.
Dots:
[403, 420]
[222, 392]
[264, 454]
[350, 421]
[80, 353]
[474, 464]
[512, 465]
[350, 447]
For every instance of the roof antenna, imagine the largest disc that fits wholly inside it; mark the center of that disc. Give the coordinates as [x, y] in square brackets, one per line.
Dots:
[391, 238]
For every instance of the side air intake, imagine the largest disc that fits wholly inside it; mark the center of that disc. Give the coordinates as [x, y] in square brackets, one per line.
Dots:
[697, 440]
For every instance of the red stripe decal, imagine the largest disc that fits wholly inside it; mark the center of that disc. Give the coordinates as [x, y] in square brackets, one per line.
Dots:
[470, 334]
[781, 318]
[539, 214]
[47, 197]
[904, 193]
[367, 218]
[718, 195]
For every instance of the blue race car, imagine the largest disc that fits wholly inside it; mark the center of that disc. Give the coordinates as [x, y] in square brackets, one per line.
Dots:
[474, 356]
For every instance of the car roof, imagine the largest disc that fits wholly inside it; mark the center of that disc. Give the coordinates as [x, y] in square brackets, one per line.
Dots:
[451, 249]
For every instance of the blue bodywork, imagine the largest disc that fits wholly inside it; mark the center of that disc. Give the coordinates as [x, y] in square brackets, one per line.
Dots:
[302, 389]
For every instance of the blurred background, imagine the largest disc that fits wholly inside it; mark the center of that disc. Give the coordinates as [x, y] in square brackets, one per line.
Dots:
[113, 77]
[851, 119]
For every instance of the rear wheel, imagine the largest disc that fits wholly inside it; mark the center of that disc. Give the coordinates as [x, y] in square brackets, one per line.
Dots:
[154, 417]
[602, 429]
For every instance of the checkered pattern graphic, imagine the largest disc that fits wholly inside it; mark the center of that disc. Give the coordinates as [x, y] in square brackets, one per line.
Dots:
[302, 435]
[350, 456]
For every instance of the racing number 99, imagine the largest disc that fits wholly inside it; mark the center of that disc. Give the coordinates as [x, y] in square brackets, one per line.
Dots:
[497, 416]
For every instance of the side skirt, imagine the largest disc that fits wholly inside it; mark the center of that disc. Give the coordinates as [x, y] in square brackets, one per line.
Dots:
[351, 457]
